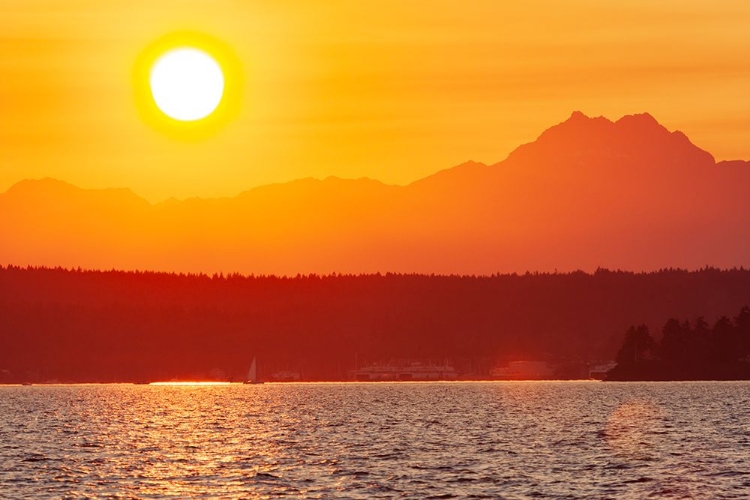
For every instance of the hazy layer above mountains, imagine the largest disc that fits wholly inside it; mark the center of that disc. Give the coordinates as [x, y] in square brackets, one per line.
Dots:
[587, 193]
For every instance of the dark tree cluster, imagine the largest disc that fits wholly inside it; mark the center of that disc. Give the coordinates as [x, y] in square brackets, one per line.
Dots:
[687, 351]
[107, 326]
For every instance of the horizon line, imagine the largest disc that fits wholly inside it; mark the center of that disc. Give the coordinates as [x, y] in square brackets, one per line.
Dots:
[379, 274]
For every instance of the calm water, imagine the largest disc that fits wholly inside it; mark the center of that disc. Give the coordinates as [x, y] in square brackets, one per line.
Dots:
[439, 440]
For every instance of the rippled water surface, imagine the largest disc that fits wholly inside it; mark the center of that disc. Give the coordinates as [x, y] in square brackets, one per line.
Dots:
[414, 440]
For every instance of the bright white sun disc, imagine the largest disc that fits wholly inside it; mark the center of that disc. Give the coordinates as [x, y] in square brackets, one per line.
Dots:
[187, 84]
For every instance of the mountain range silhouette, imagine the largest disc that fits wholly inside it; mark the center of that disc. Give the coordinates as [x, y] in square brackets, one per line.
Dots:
[588, 193]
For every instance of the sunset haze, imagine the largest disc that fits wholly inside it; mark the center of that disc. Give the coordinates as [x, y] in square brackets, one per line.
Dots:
[392, 92]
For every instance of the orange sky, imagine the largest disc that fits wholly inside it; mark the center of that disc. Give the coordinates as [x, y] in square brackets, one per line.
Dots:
[390, 90]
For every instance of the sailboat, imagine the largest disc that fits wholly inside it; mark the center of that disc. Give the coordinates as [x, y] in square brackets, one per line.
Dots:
[252, 374]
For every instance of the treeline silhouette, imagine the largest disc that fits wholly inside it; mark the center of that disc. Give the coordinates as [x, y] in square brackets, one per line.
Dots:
[78, 325]
[687, 351]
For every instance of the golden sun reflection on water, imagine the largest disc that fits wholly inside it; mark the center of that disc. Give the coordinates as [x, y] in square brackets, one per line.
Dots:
[189, 383]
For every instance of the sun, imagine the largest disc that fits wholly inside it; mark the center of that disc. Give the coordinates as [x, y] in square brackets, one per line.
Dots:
[187, 84]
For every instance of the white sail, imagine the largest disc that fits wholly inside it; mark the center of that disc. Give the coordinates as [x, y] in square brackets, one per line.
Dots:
[252, 374]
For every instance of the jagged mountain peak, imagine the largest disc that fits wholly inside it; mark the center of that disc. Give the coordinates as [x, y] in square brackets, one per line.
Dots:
[638, 135]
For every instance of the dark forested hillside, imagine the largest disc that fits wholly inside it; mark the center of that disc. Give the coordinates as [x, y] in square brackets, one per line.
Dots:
[687, 351]
[70, 325]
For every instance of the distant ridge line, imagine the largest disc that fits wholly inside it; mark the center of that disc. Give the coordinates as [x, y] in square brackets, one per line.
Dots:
[587, 193]
[575, 117]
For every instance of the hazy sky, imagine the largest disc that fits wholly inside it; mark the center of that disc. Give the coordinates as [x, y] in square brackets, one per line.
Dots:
[390, 90]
